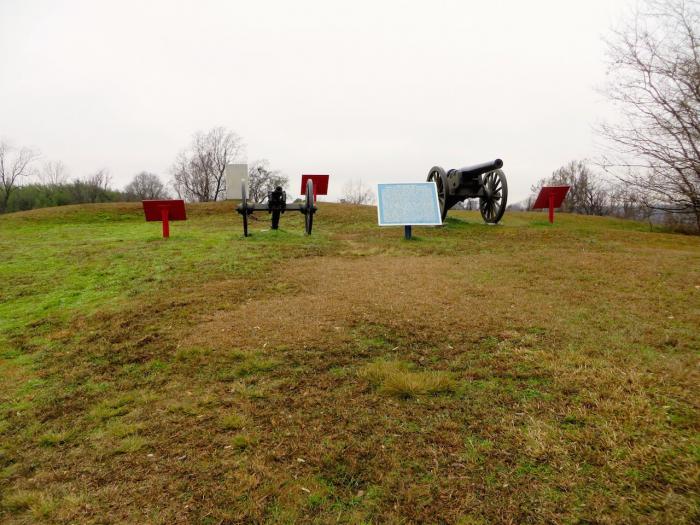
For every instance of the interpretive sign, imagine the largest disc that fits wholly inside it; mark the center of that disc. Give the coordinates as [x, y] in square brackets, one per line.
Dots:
[236, 174]
[550, 197]
[165, 211]
[320, 184]
[408, 203]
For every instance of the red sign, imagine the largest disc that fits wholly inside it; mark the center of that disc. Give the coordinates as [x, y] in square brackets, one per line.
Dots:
[165, 211]
[320, 184]
[550, 197]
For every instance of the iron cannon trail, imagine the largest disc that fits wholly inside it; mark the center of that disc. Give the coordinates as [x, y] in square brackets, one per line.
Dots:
[485, 181]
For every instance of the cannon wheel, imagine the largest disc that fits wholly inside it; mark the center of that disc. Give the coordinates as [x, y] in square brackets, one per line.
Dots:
[244, 203]
[439, 177]
[493, 204]
[309, 215]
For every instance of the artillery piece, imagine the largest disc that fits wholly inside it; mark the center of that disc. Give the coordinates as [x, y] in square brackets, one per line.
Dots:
[276, 205]
[484, 181]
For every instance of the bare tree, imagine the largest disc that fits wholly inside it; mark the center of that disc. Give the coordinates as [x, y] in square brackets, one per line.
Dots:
[355, 192]
[624, 201]
[53, 173]
[261, 180]
[198, 172]
[588, 193]
[146, 186]
[654, 72]
[15, 164]
[94, 188]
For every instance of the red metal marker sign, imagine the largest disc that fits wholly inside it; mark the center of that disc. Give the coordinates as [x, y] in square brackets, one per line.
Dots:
[165, 211]
[320, 184]
[550, 197]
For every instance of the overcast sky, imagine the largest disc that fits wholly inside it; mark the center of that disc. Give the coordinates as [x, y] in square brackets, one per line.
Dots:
[376, 90]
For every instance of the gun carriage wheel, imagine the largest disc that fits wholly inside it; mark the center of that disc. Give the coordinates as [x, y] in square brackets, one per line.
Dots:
[244, 205]
[439, 177]
[495, 195]
[310, 208]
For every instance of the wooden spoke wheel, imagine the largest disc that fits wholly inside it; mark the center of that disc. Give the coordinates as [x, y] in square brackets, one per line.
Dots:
[309, 215]
[493, 203]
[244, 204]
[439, 177]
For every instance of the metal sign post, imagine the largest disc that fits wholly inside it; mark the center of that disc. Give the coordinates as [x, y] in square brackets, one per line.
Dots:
[165, 211]
[164, 216]
[550, 197]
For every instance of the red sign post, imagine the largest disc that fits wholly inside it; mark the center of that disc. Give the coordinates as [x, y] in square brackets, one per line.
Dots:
[164, 211]
[320, 184]
[550, 197]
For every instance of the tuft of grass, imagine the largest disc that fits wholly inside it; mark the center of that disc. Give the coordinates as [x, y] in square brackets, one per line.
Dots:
[9, 471]
[44, 507]
[52, 439]
[242, 441]
[249, 365]
[113, 407]
[233, 422]
[476, 449]
[254, 365]
[19, 500]
[396, 379]
[190, 355]
[187, 408]
[130, 444]
[39, 504]
[119, 429]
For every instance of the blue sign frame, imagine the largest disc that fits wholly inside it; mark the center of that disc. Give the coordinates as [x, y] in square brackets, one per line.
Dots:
[408, 204]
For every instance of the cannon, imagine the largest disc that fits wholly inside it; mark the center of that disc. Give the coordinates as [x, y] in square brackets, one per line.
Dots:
[276, 205]
[484, 181]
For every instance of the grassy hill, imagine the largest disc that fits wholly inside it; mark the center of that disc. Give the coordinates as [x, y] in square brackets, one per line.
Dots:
[523, 373]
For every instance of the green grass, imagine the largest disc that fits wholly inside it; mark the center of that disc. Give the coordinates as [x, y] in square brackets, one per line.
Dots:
[521, 373]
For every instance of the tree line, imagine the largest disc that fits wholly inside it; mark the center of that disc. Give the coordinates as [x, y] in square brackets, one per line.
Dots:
[592, 193]
[197, 175]
[51, 185]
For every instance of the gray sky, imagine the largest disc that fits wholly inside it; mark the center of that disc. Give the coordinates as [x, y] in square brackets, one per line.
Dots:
[379, 90]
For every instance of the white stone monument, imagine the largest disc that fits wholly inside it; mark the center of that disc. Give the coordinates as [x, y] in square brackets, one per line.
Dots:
[235, 175]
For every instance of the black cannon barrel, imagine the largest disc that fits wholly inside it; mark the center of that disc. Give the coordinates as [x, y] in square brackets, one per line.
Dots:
[479, 169]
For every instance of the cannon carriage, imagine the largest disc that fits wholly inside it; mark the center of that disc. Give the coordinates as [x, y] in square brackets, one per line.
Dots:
[485, 181]
[277, 204]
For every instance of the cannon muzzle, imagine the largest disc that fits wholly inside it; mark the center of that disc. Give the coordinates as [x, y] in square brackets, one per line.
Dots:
[480, 169]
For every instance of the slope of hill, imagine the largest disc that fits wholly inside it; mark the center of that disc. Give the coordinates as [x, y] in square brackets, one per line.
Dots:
[477, 374]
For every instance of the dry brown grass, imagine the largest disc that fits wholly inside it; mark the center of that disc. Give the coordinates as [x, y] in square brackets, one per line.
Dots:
[566, 361]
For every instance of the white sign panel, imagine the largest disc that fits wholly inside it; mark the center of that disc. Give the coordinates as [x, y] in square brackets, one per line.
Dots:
[408, 204]
[235, 175]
